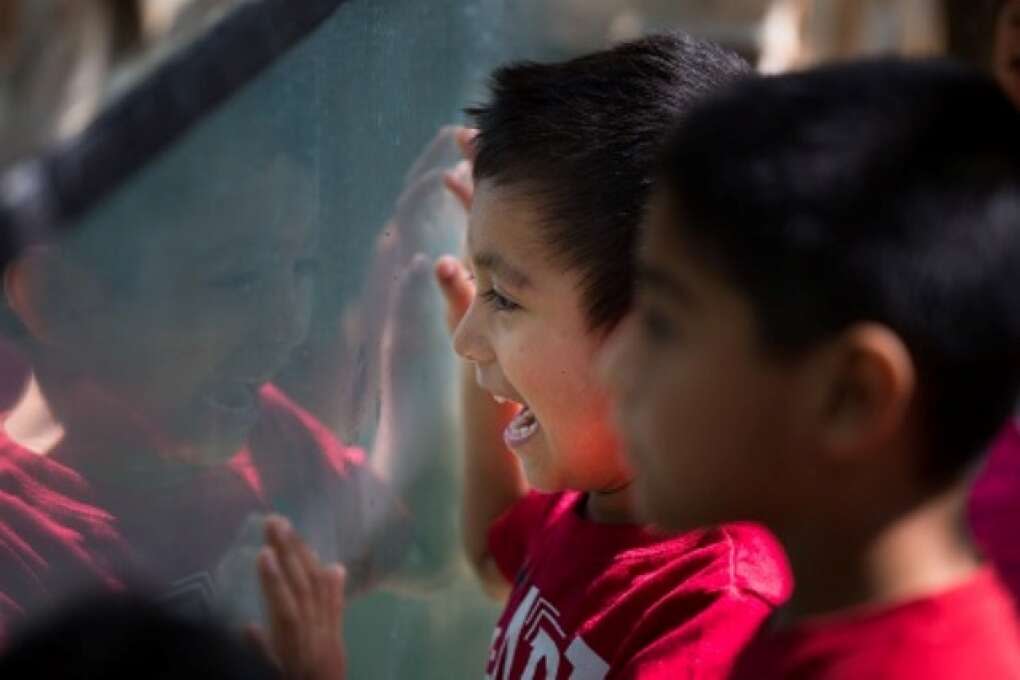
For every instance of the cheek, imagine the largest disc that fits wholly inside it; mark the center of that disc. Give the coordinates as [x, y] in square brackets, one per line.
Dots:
[670, 427]
[539, 365]
[701, 437]
[571, 397]
[1007, 43]
[173, 355]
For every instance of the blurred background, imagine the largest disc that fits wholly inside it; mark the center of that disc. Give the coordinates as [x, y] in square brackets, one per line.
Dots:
[61, 59]
[342, 133]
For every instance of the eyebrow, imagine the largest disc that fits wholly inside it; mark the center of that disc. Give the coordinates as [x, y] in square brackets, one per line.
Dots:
[657, 279]
[497, 264]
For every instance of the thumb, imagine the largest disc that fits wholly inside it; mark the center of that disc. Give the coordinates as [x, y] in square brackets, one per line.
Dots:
[457, 288]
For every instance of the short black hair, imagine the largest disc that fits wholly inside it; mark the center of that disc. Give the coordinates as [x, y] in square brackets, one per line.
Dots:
[583, 137]
[885, 191]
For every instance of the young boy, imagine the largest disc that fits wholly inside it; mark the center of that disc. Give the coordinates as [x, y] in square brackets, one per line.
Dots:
[825, 338]
[563, 159]
[564, 154]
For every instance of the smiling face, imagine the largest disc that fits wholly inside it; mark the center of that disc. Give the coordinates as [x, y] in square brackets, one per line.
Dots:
[218, 296]
[529, 341]
[1006, 54]
[705, 417]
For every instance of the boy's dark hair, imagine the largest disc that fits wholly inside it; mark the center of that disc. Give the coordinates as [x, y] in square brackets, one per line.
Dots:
[582, 137]
[883, 191]
[119, 636]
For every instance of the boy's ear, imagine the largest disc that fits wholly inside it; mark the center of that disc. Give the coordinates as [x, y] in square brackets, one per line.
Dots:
[868, 385]
[50, 295]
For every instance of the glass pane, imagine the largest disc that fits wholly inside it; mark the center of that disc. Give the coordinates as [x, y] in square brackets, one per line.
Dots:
[248, 325]
[243, 327]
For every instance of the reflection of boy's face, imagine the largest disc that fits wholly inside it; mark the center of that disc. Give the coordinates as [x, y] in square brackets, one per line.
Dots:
[705, 416]
[219, 297]
[1007, 49]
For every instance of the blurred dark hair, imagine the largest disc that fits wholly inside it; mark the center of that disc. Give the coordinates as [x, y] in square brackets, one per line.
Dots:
[582, 137]
[885, 191]
[115, 636]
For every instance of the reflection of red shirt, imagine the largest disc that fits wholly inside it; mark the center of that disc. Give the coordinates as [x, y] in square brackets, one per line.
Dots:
[53, 537]
[191, 530]
[594, 601]
[994, 507]
[970, 631]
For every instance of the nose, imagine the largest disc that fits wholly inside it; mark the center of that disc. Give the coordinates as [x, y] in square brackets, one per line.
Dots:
[469, 338]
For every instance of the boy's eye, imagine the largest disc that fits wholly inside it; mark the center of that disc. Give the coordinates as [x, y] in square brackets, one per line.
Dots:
[499, 302]
[656, 326]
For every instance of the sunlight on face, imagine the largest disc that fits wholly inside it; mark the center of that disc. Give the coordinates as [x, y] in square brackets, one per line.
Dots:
[528, 338]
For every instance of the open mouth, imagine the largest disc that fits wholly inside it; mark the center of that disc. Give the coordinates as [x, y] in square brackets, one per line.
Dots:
[523, 427]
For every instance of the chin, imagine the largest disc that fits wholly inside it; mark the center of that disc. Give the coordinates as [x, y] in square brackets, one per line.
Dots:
[543, 480]
[544, 484]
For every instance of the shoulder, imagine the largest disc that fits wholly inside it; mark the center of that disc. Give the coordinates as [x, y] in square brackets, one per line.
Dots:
[29, 470]
[967, 631]
[739, 560]
[759, 565]
[689, 603]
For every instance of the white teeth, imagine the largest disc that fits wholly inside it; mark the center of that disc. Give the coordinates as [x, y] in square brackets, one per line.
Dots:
[521, 428]
[500, 400]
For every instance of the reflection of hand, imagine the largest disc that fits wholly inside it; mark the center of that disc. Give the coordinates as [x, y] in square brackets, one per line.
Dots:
[411, 333]
[459, 180]
[305, 600]
[427, 221]
[416, 428]
[412, 371]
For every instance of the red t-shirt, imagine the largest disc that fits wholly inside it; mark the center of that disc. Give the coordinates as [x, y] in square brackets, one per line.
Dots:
[969, 631]
[68, 524]
[994, 507]
[594, 601]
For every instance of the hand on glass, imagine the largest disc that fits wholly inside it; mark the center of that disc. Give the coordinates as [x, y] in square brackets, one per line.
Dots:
[305, 602]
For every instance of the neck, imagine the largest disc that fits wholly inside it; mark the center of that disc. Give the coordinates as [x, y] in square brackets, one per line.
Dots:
[613, 506]
[902, 556]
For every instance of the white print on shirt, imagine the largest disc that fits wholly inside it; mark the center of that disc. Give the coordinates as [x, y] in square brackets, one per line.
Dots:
[534, 630]
[191, 596]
